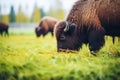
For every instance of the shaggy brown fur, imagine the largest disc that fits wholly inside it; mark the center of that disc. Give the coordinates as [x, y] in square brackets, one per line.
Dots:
[92, 19]
[46, 25]
[4, 29]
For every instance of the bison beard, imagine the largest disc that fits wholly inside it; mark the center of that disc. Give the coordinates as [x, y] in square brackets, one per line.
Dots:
[88, 22]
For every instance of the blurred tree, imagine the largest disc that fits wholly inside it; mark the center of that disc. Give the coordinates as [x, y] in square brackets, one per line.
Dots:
[36, 16]
[25, 16]
[5, 18]
[60, 14]
[56, 10]
[20, 15]
[26, 19]
[0, 14]
[52, 12]
[42, 12]
[12, 17]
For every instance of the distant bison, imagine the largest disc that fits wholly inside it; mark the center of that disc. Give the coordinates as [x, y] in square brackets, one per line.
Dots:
[88, 22]
[4, 29]
[46, 25]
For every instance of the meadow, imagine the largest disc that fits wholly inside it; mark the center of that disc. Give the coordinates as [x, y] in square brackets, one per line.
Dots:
[25, 57]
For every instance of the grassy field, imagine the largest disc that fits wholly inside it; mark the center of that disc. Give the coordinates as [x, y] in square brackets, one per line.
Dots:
[25, 57]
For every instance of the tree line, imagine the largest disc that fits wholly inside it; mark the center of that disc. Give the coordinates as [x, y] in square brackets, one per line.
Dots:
[36, 16]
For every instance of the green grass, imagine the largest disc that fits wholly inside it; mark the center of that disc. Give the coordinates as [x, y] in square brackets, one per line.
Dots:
[25, 57]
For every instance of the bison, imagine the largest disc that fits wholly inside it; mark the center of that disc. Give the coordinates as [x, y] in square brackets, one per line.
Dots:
[4, 29]
[46, 25]
[88, 22]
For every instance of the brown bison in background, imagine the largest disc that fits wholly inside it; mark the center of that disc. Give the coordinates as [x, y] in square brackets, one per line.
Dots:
[46, 25]
[88, 22]
[4, 29]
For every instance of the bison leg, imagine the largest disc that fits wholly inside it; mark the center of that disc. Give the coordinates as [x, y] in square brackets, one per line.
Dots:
[96, 39]
[6, 33]
[118, 39]
[52, 33]
[1, 33]
[113, 39]
[44, 34]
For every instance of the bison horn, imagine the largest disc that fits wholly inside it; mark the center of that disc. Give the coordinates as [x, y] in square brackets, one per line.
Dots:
[66, 27]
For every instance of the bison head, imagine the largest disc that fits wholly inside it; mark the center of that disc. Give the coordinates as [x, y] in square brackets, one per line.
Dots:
[70, 36]
[39, 31]
[66, 36]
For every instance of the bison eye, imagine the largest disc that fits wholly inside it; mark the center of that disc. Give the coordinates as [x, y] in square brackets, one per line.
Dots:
[62, 37]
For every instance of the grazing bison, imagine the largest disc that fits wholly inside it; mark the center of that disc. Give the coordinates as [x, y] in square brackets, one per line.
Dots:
[88, 22]
[46, 25]
[4, 29]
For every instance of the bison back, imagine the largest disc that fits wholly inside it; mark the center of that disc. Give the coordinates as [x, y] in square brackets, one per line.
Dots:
[100, 13]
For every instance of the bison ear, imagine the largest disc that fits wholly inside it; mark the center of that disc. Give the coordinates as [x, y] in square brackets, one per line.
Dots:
[72, 28]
